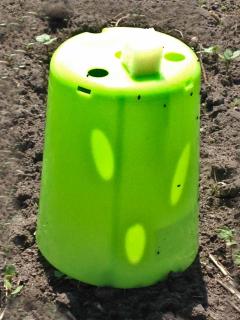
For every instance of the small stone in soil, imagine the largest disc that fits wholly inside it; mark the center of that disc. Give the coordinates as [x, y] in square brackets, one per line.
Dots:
[198, 313]
[62, 298]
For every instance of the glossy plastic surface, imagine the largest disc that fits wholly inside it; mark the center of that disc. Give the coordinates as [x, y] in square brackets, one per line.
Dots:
[119, 193]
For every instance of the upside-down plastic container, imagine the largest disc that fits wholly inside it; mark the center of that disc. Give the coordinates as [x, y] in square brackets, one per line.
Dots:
[119, 192]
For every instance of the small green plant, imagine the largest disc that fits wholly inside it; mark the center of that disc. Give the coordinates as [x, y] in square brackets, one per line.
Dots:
[211, 50]
[9, 273]
[227, 235]
[229, 55]
[237, 258]
[235, 103]
[45, 39]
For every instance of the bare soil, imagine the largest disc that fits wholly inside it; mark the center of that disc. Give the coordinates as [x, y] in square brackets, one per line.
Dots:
[196, 293]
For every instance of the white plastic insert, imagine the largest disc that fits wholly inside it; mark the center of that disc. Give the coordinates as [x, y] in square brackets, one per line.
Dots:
[142, 53]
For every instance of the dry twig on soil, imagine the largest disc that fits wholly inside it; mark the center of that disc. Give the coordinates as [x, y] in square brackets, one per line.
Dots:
[120, 19]
[234, 306]
[229, 287]
[219, 265]
[2, 314]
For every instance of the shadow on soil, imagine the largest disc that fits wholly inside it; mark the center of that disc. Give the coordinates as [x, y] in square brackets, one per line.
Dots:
[182, 296]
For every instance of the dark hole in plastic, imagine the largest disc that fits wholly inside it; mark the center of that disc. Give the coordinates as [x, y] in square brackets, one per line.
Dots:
[85, 90]
[197, 117]
[97, 73]
[191, 93]
[139, 97]
[178, 185]
[164, 105]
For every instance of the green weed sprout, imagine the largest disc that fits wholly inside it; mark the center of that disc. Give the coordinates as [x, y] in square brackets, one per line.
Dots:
[211, 50]
[236, 103]
[9, 273]
[45, 39]
[229, 55]
[227, 235]
[237, 259]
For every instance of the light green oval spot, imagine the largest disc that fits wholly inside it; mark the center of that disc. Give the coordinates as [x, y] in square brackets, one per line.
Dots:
[102, 154]
[174, 56]
[135, 241]
[180, 175]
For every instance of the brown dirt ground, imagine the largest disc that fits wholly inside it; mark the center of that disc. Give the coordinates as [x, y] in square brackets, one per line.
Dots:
[194, 294]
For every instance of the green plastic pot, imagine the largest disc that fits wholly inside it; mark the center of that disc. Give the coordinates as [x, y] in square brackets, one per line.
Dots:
[119, 192]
